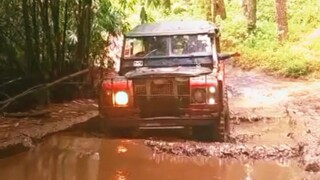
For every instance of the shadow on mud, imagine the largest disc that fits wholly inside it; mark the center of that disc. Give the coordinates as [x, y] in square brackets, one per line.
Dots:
[93, 127]
[181, 142]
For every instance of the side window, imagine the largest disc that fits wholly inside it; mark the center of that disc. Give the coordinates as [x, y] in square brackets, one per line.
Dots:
[138, 47]
[133, 47]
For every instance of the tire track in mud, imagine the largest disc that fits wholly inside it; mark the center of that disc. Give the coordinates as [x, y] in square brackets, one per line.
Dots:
[225, 150]
[273, 118]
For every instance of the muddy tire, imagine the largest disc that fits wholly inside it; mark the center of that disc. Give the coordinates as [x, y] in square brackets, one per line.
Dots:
[224, 124]
[220, 129]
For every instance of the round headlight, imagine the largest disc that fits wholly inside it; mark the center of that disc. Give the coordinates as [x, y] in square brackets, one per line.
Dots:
[121, 98]
[199, 95]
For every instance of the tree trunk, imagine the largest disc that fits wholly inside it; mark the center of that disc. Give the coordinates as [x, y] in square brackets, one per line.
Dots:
[29, 50]
[55, 10]
[35, 61]
[47, 40]
[216, 8]
[220, 9]
[250, 10]
[281, 17]
[65, 26]
[84, 26]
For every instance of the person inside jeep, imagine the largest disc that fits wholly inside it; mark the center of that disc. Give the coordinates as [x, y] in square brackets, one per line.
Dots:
[158, 46]
[150, 46]
[191, 44]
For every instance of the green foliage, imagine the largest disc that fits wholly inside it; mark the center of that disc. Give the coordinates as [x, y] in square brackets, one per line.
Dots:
[296, 57]
[72, 38]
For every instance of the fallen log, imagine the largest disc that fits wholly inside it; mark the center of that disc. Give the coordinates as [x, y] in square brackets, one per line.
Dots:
[27, 114]
[31, 90]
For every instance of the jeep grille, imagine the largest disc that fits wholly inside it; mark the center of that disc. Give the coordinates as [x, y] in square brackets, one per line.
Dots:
[162, 89]
[161, 97]
[169, 86]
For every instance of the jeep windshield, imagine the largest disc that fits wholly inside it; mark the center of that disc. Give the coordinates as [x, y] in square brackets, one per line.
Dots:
[155, 47]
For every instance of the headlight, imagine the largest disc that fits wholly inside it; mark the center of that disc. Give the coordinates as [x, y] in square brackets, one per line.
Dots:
[199, 95]
[121, 98]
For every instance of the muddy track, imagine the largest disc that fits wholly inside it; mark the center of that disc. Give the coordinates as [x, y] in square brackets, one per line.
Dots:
[273, 118]
[226, 150]
[21, 134]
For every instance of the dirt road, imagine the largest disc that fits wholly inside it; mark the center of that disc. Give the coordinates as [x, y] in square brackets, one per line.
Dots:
[274, 135]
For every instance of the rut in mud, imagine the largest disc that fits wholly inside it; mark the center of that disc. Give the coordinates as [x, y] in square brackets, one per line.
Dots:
[272, 119]
[225, 150]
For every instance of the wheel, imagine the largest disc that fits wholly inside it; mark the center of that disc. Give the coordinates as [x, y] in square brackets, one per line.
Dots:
[220, 129]
[224, 124]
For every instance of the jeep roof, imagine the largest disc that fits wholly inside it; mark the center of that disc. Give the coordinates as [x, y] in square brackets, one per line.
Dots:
[169, 28]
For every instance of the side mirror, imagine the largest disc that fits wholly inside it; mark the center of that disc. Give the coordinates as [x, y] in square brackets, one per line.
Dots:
[227, 56]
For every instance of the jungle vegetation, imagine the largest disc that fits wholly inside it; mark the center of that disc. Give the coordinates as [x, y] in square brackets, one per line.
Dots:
[44, 40]
[52, 38]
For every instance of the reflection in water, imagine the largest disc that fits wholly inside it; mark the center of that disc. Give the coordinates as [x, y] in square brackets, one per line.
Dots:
[121, 149]
[81, 158]
[120, 175]
[249, 171]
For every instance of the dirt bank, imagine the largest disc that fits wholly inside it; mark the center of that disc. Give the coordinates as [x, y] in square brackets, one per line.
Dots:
[17, 134]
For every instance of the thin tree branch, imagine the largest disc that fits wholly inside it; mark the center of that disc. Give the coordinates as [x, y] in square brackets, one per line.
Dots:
[7, 102]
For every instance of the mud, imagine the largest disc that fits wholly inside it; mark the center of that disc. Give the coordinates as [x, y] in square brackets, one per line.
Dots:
[225, 150]
[20, 134]
[273, 118]
[289, 112]
[83, 156]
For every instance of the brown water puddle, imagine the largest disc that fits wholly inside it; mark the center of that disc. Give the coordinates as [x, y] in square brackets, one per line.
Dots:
[70, 157]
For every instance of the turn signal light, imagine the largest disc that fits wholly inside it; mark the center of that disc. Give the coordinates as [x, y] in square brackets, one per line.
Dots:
[212, 101]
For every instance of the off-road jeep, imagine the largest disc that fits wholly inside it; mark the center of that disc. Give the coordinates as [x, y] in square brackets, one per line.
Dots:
[171, 76]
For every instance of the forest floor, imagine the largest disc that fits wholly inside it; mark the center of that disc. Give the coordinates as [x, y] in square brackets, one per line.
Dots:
[24, 131]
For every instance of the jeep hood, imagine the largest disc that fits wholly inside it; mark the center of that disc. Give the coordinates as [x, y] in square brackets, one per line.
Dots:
[168, 71]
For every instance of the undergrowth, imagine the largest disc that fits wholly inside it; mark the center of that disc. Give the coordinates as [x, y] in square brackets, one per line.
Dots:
[299, 56]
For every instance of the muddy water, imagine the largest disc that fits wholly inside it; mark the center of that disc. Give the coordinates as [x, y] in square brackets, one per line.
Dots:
[74, 157]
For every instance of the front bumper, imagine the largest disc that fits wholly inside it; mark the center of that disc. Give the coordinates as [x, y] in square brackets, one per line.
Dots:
[127, 117]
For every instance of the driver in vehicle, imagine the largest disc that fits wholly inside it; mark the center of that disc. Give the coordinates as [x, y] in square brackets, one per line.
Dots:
[153, 46]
